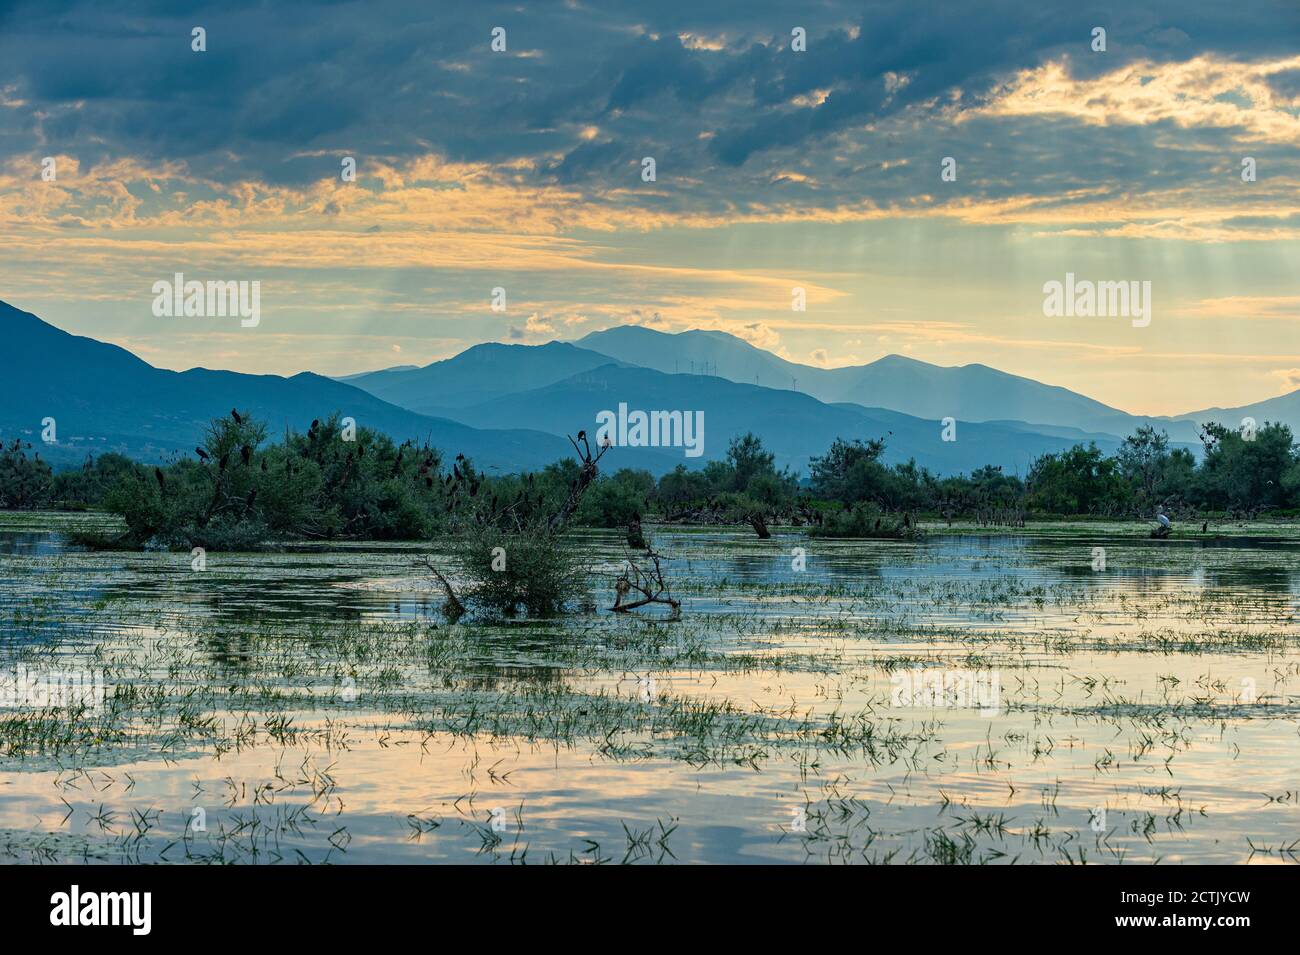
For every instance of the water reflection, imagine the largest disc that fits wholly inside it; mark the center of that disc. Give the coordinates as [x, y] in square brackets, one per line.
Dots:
[1159, 687]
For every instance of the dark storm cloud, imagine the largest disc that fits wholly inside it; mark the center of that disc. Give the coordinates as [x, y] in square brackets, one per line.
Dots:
[1286, 82]
[401, 79]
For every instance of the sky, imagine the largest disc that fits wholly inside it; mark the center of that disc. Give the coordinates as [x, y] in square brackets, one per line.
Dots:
[126, 156]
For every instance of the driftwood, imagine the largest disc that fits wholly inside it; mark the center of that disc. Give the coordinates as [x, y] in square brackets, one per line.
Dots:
[648, 581]
[453, 608]
[760, 526]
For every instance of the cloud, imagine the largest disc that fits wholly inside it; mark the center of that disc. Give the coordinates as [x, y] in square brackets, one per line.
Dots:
[1202, 93]
[535, 328]
[1290, 378]
[1249, 307]
[757, 334]
[536, 325]
[523, 170]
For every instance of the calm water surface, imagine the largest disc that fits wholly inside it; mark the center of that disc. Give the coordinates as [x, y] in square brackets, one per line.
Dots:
[1134, 706]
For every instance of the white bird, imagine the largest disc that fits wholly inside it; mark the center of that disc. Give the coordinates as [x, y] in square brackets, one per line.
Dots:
[1164, 521]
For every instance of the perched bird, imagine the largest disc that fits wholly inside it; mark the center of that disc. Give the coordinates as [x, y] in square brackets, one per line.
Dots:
[225, 459]
[246, 455]
[203, 455]
[162, 481]
[235, 414]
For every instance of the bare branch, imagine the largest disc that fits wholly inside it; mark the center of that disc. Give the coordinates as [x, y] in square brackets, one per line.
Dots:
[649, 583]
[453, 608]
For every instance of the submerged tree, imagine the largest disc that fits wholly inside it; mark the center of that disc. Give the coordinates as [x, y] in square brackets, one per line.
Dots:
[25, 480]
[334, 480]
[512, 554]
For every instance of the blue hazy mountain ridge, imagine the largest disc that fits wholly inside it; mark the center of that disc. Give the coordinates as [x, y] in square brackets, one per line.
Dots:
[508, 406]
[1284, 409]
[793, 425]
[103, 398]
[478, 374]
[974, 393]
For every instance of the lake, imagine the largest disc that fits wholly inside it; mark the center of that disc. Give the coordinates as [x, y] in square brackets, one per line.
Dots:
[1067, 692]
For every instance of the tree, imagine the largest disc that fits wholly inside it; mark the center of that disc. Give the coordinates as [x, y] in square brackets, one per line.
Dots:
[25, 480]
[849, 471]
[1076, 481]
[748, 460]
[1143, 459]
[1246, 475]
[681, 487]
[614, 501]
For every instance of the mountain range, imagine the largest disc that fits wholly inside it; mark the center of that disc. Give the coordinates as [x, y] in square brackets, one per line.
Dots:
[969, 392]
[508, 406]
[103, 398]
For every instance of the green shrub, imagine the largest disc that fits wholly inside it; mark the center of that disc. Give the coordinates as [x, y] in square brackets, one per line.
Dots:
[508, 570]
[25, 480]
[865, 521]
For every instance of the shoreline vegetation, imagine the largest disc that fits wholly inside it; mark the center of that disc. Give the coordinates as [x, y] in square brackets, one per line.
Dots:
[240, 491]
[336, 481]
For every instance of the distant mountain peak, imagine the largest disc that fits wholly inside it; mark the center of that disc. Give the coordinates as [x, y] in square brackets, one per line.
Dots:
[106, 399]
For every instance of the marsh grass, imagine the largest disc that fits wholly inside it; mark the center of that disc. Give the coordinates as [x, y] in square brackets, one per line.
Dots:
[773, 689]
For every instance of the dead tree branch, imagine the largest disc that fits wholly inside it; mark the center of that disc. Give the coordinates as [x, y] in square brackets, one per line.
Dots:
[453, 608]
[649, 583]
[586, 475]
